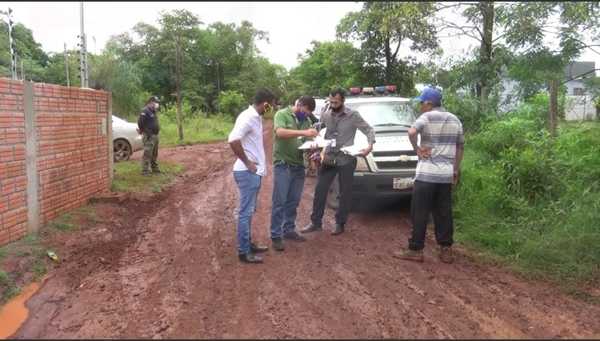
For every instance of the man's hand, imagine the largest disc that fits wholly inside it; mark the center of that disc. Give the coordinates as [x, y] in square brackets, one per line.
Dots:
[423, 153]
[251, 167]
[366, 151]
[138, 131]
[311, 132]
[456, 177]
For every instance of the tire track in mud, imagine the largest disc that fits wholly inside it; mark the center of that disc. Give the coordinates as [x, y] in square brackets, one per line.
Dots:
[178, 276]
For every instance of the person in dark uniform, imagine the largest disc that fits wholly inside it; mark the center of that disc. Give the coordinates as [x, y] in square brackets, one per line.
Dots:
[148, 126]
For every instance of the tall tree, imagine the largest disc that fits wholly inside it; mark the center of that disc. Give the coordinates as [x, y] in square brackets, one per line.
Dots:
[382, 28]
[522, 27]
[179, 28]
[326, 65]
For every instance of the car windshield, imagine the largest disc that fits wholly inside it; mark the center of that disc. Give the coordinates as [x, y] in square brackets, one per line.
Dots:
[379, 114]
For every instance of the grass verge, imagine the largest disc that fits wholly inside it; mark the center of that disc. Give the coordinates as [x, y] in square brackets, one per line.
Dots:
[197, 129]
[533, 202]
[128, 177]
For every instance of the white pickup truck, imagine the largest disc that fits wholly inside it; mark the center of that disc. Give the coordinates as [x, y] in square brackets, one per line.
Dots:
[389, 170]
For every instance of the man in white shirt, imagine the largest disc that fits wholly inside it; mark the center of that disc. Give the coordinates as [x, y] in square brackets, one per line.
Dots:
[246, 141]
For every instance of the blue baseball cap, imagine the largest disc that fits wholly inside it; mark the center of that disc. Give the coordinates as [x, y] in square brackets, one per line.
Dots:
[430, 94]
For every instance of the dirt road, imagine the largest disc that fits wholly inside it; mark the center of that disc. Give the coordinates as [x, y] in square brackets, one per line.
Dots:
[167, 267]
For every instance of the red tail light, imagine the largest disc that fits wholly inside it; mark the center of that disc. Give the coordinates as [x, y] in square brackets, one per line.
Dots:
[355, 91]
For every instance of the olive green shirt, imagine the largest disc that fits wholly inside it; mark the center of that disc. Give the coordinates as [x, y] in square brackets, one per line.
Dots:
[286, 150]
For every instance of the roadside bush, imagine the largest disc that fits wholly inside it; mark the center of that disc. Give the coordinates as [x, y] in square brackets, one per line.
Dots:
[466, 108]
[231, 103]
[530, 199]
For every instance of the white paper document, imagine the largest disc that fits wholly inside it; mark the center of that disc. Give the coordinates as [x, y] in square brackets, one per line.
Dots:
[352, 150]
[318, 142]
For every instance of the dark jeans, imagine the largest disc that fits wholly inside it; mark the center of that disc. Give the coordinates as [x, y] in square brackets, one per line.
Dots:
[288, 182]
[427, 198]
[326, 175]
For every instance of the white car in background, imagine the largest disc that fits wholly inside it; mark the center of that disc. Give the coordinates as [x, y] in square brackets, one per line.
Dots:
[126, 139]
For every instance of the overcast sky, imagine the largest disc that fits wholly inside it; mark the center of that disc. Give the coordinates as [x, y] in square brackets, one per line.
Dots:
[291, 25]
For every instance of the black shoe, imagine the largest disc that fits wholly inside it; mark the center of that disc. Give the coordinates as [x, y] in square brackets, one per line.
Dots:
[250, 258]
[278, 244]
[294, 236]
[339, 229]
[258, 248]
[156, 170]
[146, 173]
[311, 228]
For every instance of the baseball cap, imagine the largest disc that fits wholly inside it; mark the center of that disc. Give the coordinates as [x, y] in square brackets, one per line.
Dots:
[430, 94]
[154, 99]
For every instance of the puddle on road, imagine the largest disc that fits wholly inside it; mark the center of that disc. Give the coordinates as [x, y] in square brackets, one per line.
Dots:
[14, 313]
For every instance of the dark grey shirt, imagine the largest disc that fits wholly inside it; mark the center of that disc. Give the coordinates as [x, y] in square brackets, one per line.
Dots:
[345, 124]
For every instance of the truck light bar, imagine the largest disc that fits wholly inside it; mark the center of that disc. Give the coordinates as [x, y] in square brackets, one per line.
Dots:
[380, 90]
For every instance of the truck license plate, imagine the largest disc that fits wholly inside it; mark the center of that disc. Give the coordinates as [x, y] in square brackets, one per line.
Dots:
[402, 183]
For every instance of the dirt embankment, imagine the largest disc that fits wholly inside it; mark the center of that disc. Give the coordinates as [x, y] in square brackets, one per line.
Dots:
[166, 267]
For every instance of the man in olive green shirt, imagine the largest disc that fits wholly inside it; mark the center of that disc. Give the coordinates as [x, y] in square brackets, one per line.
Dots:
[291, 126]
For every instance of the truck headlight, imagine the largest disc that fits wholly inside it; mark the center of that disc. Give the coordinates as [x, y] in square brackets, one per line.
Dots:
[361, 164]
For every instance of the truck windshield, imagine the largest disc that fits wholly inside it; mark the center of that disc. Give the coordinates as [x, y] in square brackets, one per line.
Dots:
[379, 114]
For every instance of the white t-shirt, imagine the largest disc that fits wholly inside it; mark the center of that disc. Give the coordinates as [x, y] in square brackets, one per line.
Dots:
[249, 130]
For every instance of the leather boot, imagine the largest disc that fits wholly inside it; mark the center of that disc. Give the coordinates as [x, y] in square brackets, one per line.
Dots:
[339, 229]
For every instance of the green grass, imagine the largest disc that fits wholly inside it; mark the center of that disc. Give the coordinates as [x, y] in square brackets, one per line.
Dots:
[549, 231]
[128, 177]
[195, 130]
[32, 253]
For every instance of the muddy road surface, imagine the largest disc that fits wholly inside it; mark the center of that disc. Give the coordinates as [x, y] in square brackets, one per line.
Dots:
[166, 266]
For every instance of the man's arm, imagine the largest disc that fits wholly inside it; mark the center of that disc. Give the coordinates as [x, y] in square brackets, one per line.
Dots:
[141, 123]
[240, 129]
[422, 153]
[460, 149]
[284, 133]
[238, 150]
[366, 129]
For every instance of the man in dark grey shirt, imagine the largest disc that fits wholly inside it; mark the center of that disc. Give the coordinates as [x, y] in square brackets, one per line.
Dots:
[341, 123]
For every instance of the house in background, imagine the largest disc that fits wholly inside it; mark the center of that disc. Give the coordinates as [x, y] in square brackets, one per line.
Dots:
[580, 104]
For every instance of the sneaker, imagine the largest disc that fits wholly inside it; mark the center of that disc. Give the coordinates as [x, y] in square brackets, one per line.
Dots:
[416, 256]
[294, 236]
[156, 170]
[258, 248]
[146, 173]
[278, 244]
[311, 228]
[446, 254]
[250, 258]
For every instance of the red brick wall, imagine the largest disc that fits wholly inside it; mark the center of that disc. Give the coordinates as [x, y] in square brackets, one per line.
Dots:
[72, 151]
[13, 180]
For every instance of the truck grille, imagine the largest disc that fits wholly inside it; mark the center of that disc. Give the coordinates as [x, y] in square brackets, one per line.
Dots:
[395, 153]
[396, 164]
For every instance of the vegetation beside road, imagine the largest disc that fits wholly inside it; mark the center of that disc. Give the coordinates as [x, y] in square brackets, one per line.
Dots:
[26, 260]
[128, 177]
[531, 200]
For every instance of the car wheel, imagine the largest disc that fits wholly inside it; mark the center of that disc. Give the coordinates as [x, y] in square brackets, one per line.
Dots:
[121, 150]
[333, 196]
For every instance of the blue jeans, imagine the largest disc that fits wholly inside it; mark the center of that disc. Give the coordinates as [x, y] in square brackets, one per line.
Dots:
[249, 185]
[288, 182]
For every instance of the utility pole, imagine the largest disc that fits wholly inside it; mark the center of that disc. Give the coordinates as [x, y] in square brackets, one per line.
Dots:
[13, 54]
[83, 65]
[67, 66]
